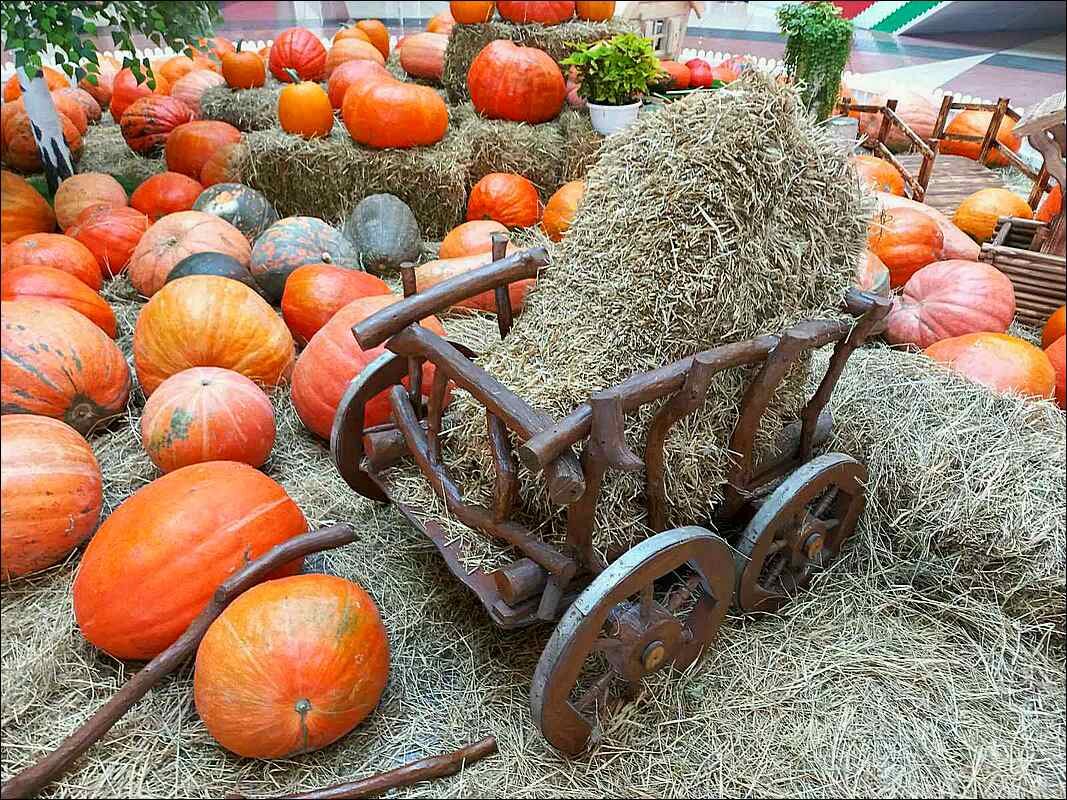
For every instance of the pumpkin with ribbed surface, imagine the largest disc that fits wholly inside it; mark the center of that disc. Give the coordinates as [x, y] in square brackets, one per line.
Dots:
[432, 273]
[189, 146]
[471, 12]
[21, 151]
[300, 50]
[384, 113]
[878, 174]
[508, 198]
[377, 33]
[56, 251]
[179, 235]
[561, 208]
[951, 298]
[315, 292]
[423, 55]
[56, 286]
[1057, 356]
[210, 321]
[905, 240]
[149, 121]
[85, 190]
[111, 234]
[242, 206]
[470, 238]
[224, 165]
[207, 414]
[50, 492]
[89, 105]
[350, 49]
[546, 12]
[977, 215]
[190, 89]
[333, 358]
[22, 209]
[349, 74]
[441, 22]
[1051, 206]
[522, 84]
[154, 564]
[291, 666]
[1001, 362]
[1055, 327]
[210, 263]
[293, 242]
[304, 110]
[72, 110]
[59, 364]
[955, 243]
[53, 78]
[384, 232]
[126, 88]
[165, 193]
[976, 123]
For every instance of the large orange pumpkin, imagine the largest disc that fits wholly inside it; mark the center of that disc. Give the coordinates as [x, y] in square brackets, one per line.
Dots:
[378, 34]
[423, 55]
[85, 190]
[561, 208]
[432, 273]
[148, 122]
[21, 151]
[176, 236]
[176, 68]
[59, 364]
[951, 298]
[111, 234]
[552, 12]
[315, 292]
[977, 215]
[441, 22]
[976, 123]
[56, 286]
[1057, 356]
[1055, 327]
[190, 89]
[470, 238]
[349, 74]
[224, 165]
[207, 414]
[1001, 362]
[1051, 206]
[351, 50]
[191, 145]
[957, 244]
[125, 89]
[92, 109]
[210, 321]
[905, 240]
[879, 174]
[53, 78]
[384, 113]
[56, 251]
[915, 109]
[333, 358]
[72, 110]
[22, 209]
[300, 50]
[471, 12]
[50, 492]
[165, 193]
[508, 198]
[522, 84]
[154, 564]
[595, 10]
[304, 109]
[291, 666]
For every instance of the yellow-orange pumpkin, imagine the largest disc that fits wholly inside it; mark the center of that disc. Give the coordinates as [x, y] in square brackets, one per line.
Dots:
[977, 215]
[432, 273]
[82, 191]
[905, 240]
[470, 238]
[304, 109]
[22, 209]
[561, 208]
[315, 292]
[1055, 327]
[55, 286]
[56, 251]
[1057, 356]
[976, 123]
[508, 198]
[1001, 362]
[879, 174]
[471, 12]
[595, 10]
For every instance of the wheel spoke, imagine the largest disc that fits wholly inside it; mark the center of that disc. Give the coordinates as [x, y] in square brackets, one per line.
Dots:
[646, 603]
[605, 645]
[594, 692]
[826, 501]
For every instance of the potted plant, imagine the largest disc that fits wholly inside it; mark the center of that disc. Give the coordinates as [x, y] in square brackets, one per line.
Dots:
[817, 47]
[614, 75]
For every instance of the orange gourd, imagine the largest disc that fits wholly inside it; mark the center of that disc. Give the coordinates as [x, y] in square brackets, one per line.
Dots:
[350, 33]
[165, 193]
[190, 88]
[126, 88]
[470, 238]
[300, 50]
[508, 198]
[522, 84]
[59, 364]
[957, 244]
[442, 22]
[1051, 206]
[154, 564]
[304, 109]
[88, 103]
[976, 123]
[21, 151]
[384, 113]
[561, 208]
[432, 273]
[376, 33]
[349, 74]
[207, 414]
[1055, 327]
[72, 110]
[1057, 356]
[291, 666]
[423, 55]
[210, 321]
[879, 174]
[55, 286]
[85, 190]
[191, 145]
[176, 68]
[53, 78]
[22, 209]
[550, 12]
[111, 234]
[50, 493]
[149, 121]
[224, 165]
[471, 12]
[977, 215]
[1001, 362]
[595, 10]
[679, 74]
[905, 240]
[350, 50]
[56, 251]
[315, 292]
[243, 70]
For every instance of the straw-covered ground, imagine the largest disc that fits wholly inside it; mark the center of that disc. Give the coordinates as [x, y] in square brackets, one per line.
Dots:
[106, 151]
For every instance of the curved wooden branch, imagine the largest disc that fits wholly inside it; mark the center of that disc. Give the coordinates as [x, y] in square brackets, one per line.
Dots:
[34, 778]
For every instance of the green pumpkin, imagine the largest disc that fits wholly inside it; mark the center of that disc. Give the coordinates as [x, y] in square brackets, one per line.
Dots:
[293, 242]
[384, 232]
[241, 206]
[209, 263]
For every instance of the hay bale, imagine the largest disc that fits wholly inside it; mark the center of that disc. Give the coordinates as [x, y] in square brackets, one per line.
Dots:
[749, 226]
[581, 145]
[106, 151]
[966, 495]
[466, 41]
[245, 109]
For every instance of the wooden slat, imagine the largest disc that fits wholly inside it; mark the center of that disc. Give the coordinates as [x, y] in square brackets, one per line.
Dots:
[952, 179]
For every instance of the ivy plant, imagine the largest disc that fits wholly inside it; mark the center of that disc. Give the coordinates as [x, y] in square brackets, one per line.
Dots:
[616, 71]
[818, 44]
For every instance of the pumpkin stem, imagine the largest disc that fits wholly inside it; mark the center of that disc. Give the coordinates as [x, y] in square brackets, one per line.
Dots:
[237, 48]
[292, 75]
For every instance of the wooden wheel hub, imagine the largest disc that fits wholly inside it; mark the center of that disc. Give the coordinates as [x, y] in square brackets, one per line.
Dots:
[644, 647]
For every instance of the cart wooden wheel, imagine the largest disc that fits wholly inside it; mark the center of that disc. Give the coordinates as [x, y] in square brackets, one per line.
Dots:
[798, 530]
[618, 617]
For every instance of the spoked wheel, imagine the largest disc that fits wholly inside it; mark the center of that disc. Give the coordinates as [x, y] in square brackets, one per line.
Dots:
[798, 530]
[631, 629]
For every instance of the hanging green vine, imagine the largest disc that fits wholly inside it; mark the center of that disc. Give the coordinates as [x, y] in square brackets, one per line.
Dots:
[818, 43]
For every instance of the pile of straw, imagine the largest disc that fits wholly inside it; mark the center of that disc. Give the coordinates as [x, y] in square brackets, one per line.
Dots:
[245, 109]
[106, 151]
[581, 145]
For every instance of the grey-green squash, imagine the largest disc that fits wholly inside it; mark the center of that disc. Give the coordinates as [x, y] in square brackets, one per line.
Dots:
[241, 206]
[385, 233]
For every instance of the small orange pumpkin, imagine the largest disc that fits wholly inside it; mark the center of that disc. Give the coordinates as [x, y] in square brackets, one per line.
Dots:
[304, 109]
[55, 286]
[1001, 362]
[85, 190]
[1055, 327]
[176, 68]
[561, 208]
[905, 240]
[441, 22]
[315, 292]
[300, 50]
[976, 123]
[595, 10]
[111, 234]
[165, 193]
[56, 251]
[470, 238]
[977, 215]
[243, 70]
[22, 209]
[508, 198]
[471, 12]
[376, 33]
[879, 174]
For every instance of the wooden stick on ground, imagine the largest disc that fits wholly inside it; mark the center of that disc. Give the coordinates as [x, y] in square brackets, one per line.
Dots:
[34, 778]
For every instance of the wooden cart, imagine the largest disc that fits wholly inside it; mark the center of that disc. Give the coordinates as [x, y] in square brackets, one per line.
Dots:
[660, 602]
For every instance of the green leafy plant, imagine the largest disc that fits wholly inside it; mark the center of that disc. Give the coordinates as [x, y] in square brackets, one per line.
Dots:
[818, 43]
[616, 71]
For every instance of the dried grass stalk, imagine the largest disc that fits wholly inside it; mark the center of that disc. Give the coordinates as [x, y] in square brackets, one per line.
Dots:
[106, 151]
[245, 109]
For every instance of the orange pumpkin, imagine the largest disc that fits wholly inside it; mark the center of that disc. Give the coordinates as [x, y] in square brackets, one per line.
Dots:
[441, 22]
[1057, 356]
[165, 193]
[905, 240]
[377, 33]
[55, 286]
[125, 89]
[111, 234]
[300, 50]
[1051, 206]
[59, 364]
[384, 113]
[315, 292]
[56, 251]
[87, 102]
[471, 12]
[333, 358]
[191, 145]
[180, 235]
[21, 147]
[351, 33]
[304, 109]
[224, 165]
[72, 110]
[595, 10]
[217, 46]
[85, 190]
[210, 321]
[1055, 327]
[879, 174]
[976, 123]
[154, 564]
[22, 209]
[547, 12]
[50, 493]
[291, 666]
[1001, 362]
[470, 238]
[207, 414]
[432, 273]
[148, 122]
[423, 55]
[243, 70]
[957, 244]
[107, 68]
[190, 89]
[977, 215]
[522, 84]
[916, 109]
[872, 275]
[561, 208]
[349, 50]
[508, 198]
[53, 78]
[174, 69]
[349, 74]
[679, 74]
